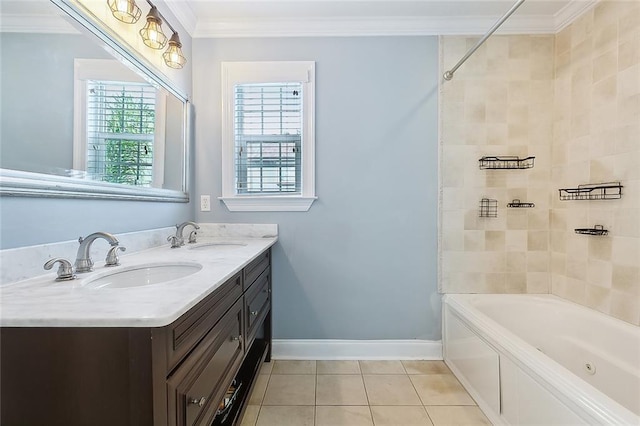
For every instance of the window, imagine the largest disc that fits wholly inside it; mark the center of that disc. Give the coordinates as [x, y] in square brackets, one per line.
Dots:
[268, 136]
[119, 125]
[120, 131]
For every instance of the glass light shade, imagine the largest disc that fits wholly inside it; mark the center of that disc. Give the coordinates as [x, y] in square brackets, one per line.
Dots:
[126, 11]
[173, 56]
[152, 34]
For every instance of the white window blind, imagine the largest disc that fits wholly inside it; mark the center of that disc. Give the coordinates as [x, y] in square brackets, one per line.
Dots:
[120, 131]
[268, 138]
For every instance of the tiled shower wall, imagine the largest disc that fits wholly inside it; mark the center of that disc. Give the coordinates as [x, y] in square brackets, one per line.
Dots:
[573, 101]
[499, 103]
[597, 139]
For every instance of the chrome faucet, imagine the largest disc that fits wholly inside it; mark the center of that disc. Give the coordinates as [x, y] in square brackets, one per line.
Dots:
[65, 271]
[83, 258]
[178, 239]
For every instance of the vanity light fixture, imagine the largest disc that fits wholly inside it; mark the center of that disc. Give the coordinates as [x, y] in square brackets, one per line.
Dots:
[126, 11]
[152, 34]
[173, 56]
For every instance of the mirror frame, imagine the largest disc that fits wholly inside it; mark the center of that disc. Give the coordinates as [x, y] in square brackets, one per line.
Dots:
[28, 184]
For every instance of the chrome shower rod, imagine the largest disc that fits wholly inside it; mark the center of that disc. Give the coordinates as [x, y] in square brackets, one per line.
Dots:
[449, 74]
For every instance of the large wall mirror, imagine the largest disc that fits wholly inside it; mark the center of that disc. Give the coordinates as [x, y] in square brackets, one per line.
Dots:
[81, 115]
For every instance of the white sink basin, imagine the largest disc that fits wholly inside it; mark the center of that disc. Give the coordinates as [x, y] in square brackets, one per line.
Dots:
[144, 275]
[218, 246]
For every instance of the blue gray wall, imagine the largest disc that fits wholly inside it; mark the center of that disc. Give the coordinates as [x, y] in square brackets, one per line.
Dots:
[36, 115]
[361, 264]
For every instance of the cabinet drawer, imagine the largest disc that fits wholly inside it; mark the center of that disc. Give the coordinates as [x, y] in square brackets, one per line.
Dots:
[190, 328]
[258, 304]
[256, 268]
[198, 385]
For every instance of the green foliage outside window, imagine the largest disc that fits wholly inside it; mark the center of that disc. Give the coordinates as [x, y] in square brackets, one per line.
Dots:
[129, 156]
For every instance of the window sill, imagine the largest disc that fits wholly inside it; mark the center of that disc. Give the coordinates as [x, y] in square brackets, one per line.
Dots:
[268, 203]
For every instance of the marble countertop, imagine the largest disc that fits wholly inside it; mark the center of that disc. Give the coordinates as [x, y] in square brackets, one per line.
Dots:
[43, 302]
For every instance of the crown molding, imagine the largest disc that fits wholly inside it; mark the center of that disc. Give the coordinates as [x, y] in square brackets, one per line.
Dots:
[400, 26]
[570, 12]
[28, 23]
[184, 13]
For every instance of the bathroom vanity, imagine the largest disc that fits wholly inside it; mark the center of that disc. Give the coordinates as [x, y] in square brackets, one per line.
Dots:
[189, 359]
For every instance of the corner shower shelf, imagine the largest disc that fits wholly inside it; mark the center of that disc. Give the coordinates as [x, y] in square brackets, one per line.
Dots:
[595, 191]
[488, 208]
[517, 204]
[596, 230]
[506, 163]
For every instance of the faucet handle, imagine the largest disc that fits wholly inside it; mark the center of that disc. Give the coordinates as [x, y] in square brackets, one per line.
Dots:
[192, 237]
[65, 270]
[175, 241]
[112, 256]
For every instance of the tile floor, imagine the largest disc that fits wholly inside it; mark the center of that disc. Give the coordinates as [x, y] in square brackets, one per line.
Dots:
[355, 393]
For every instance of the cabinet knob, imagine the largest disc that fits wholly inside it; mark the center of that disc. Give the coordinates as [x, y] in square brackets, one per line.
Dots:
[236, 338]
[254, 313]
[199, 402]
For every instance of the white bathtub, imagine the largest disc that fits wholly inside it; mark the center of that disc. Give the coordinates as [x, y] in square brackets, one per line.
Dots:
[540, 360]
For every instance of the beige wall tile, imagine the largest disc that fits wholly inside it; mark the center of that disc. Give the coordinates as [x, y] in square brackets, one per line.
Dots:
[538, 282]
[626, 279]
[538, 261]
[625, 308]
[581, 121]
[516, 282]
[598, 298]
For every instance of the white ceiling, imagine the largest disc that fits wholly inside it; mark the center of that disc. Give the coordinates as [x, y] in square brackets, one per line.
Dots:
[242, 18]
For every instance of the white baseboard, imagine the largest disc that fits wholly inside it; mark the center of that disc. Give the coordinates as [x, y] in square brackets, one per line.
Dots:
[329, 349]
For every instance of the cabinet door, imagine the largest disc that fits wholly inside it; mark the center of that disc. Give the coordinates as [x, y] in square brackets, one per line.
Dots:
[258, 304]
[198, 385]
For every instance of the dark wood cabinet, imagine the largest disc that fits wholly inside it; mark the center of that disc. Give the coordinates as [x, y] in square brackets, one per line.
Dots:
[176, 375]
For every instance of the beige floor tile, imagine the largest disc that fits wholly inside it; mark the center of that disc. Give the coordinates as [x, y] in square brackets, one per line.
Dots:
[294, 367]
[456, 416]
[441, 389]
[266, 367]
[340, 390]
[387, 389]
[426, 367]
[250, 415]
[257, 393]
[286, 416]
[343, 416]
[291, 389]
[400, 416]
[382, 367]
[338, 367]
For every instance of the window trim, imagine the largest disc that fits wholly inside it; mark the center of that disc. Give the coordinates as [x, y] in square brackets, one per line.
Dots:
[112, 70]
[268, 72]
